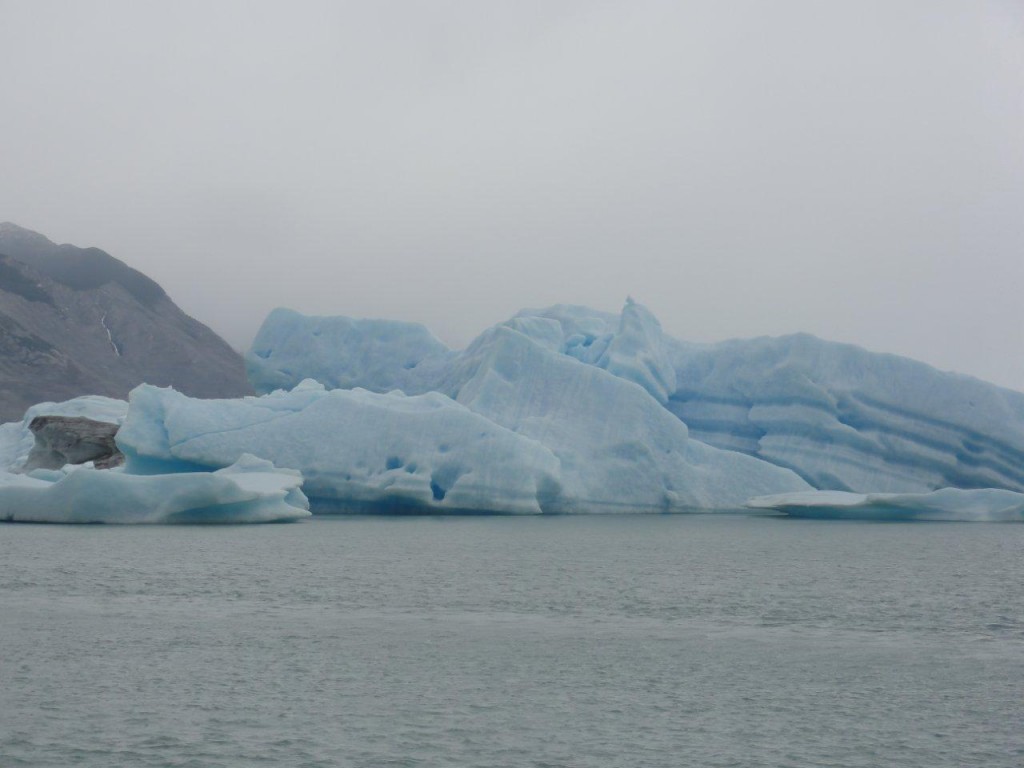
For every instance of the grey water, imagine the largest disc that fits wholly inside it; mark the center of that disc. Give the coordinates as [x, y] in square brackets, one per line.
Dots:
[486, 641]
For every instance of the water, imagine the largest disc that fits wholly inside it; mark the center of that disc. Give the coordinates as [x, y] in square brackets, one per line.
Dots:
[590, 641]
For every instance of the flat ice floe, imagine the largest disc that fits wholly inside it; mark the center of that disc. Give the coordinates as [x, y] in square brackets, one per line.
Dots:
[249, 491]
[949, 504]
[528, 433]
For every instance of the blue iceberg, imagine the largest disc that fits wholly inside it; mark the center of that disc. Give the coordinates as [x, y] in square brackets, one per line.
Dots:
[510, 425]
[840, 417]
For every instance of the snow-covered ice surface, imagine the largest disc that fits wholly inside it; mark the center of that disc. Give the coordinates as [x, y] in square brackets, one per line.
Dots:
[251, 490]
[947, 504]
[841, 417]
[16, 439]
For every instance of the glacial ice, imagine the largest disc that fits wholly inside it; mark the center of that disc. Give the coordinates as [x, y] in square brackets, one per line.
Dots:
[839, 416]
[848, 419]
[357, 450]
[947, 504]
[630, 346]
[251, 490]
[514, 428]
[618, 448]
[16, 439]
[342, 353]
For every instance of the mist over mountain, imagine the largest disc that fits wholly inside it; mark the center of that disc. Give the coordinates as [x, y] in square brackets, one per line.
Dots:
[78, 321]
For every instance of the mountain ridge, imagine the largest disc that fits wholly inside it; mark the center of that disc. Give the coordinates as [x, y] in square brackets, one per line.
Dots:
[77, 321]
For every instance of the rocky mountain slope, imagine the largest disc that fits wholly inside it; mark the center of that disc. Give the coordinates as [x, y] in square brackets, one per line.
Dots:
[77, 321]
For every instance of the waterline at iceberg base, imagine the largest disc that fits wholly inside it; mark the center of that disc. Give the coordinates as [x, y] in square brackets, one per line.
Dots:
[989, 505]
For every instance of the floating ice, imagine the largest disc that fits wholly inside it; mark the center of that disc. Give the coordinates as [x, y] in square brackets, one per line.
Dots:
[516, 428]
[618, 449]
[950, 504]
[848, 419]
[250, 491]
[839, 416]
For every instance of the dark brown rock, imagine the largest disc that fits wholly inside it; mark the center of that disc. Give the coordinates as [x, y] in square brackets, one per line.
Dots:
[64, 440]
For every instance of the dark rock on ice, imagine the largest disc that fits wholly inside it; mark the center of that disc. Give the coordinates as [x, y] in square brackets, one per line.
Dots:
[64, 440]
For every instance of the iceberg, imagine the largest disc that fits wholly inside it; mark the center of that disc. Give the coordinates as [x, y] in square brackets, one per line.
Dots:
[840, 417]
[512, 427]
[251, 490]
[947, 504]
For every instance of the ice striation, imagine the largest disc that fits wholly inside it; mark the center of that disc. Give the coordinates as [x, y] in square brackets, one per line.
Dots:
[251, 490]
[848, 419]
[947, 504]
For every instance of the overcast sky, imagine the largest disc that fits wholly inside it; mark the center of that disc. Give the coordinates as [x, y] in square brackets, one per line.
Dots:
[851, 169]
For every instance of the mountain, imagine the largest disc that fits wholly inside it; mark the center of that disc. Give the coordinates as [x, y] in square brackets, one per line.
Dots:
[77, 321]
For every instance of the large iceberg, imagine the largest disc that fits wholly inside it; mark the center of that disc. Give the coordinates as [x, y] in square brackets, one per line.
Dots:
[251, 490]
[515, 428]
[848, 419]
[948, 504]
[617, 447]
[839, 416]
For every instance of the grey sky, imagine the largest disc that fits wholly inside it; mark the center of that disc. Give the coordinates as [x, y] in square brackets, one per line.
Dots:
[852, 169]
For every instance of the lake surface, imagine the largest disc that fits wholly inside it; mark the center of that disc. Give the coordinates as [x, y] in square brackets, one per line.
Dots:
[488, 641]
